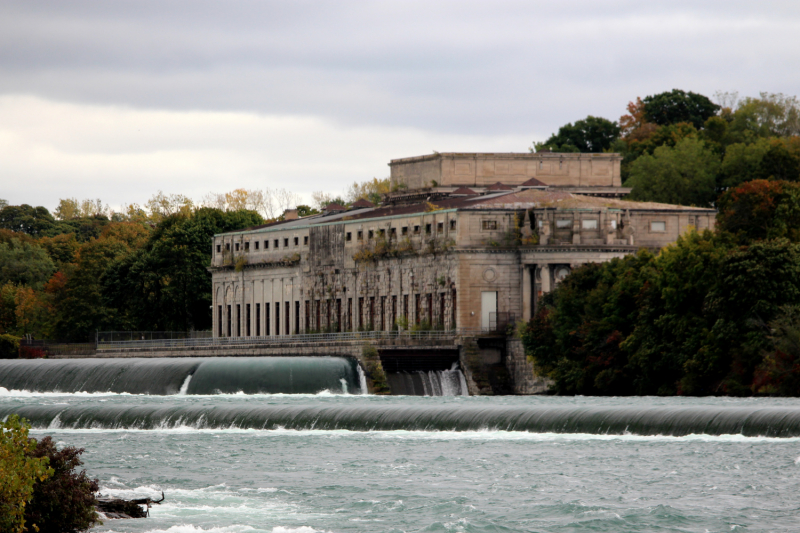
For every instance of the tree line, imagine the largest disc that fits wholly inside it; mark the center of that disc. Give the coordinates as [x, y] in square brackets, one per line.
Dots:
[718, 312]
[83, 268]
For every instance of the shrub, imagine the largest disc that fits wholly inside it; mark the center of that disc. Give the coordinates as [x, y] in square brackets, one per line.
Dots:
[9, 347]
[64, 502]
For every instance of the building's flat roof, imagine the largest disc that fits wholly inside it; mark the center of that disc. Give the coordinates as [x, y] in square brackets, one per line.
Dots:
[505, 155]
[502, 200]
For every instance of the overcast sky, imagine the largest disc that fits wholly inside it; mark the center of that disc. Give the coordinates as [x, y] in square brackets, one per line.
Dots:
[117, 100]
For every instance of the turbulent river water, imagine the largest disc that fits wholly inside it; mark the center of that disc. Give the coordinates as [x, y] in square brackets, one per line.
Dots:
[351, 463]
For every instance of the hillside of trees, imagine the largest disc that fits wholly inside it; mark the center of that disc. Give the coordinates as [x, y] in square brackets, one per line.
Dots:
[715, 313]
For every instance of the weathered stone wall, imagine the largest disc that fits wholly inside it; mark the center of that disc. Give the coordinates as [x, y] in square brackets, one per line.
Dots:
[478, 170]
[523, 373]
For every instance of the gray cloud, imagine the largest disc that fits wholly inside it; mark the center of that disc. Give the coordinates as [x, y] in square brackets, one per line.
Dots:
[119, 98]
[467, 67]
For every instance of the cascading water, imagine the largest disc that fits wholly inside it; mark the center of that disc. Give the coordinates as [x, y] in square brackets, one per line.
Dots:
[209, 413]
[428, 383]
[250, 375]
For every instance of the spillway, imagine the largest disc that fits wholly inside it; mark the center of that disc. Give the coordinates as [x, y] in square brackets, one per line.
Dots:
[192, 376]
[673, 421]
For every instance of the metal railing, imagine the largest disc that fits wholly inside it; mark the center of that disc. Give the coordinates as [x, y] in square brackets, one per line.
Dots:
[350, 336]
[119, 336]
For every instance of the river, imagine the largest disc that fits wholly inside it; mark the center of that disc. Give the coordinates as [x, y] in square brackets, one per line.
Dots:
[225, 473]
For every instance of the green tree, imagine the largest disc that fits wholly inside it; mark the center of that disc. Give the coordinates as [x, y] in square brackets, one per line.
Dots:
[677, 106]
[33, 221]
[590, 135]
[684, 174]
[19, 471]
[24, 263]
[165, 284]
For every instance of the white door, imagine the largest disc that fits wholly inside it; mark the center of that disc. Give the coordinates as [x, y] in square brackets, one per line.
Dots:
[488, 305]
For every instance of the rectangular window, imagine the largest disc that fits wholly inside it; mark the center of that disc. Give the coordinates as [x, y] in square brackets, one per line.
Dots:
[369, 235]
[405, 306]
[440, 227]
[230, 320]
[404, 230]
[219, 321]
[563, 223]
[360, 235]
[392, 232]
[658, 227]
[393, 318]
[247, 319]
[349, 319]
[360, 317]
[383, 313]
[219, 248]
[297, 241]
[237, 246]
[277, 318]
[589, 223]
[267, 330]
[488, 225]
[453, 310]
[427, 229]
[256, 243]
[228, 246]
[308, 316]
[275, 244]
[258, 320]
[348, 237]
[381, 232]
[266, 245]
[305, 240]
[452, 224]
[417, 309]
[296, 318]
[288, 310]
[416, 230]
[286, 242]
[238, 320]
[247, 246]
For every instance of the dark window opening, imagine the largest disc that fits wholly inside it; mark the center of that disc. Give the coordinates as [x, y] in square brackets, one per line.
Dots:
[219, 248]
[277, 318]
[453, 225]
[286, 242]
[296, 318]
[369, 234]
[416, 230]
[238, 320]
[440, 227]
[258, 320]
[266, 245]
[348, 237]
[305, 240]
[275, 243]
[219, 321]
[404, 230]
[288, 318]
[228, 246]
[360, 235]
[297, 241]
[237, 246]
[229, 320]
[427, 229]
[267, 330]
[247, 246]
[247, 319]
[489, 225]
[393, 232]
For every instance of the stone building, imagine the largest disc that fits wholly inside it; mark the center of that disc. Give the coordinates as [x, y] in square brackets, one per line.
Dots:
[465, 241]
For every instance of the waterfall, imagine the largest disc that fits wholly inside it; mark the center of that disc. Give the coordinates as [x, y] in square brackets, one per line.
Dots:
[429, 383]
[169, 413]
[212, 375]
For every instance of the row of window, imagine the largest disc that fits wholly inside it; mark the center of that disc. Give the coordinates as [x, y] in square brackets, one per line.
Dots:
[592, 224]
[257, 244]
[415, 230]
[362, 313]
